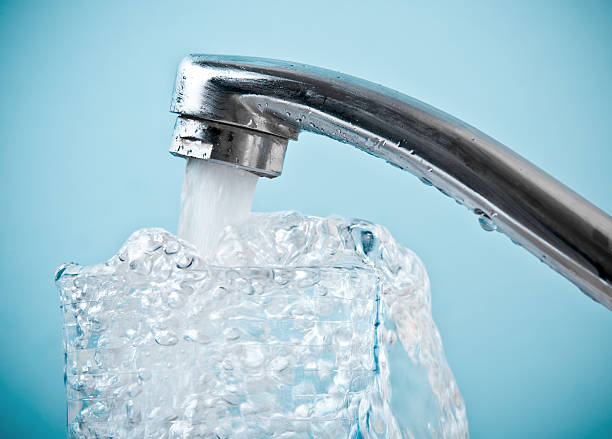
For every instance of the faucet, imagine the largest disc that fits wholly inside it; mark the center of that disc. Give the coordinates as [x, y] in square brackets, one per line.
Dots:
[243, 111]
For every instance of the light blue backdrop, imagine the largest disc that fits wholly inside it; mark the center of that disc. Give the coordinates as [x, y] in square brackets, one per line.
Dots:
[83, 162]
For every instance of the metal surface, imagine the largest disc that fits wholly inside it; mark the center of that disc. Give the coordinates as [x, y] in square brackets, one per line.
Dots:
[505, 191]
[258, 152]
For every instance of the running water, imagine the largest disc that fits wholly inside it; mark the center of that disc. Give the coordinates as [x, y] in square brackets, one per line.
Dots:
[279, 325]
[214, 196]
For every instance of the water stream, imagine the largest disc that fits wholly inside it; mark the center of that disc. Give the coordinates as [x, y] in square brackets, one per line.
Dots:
[214, 196]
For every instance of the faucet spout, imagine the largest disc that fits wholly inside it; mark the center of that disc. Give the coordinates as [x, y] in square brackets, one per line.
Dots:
[242, 111]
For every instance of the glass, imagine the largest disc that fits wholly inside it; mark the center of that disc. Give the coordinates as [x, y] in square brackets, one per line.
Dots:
[158, 344]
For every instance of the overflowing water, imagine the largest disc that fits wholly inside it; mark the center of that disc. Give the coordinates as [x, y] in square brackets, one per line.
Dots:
[292, 327]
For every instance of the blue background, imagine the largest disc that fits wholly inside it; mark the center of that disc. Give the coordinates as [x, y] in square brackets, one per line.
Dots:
[83, 162]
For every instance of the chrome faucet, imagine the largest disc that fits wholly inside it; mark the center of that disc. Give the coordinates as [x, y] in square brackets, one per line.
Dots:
[243, 111]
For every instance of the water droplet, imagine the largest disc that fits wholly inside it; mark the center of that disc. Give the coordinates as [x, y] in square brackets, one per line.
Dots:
[485, 221]
[487, 224]
[443, 192]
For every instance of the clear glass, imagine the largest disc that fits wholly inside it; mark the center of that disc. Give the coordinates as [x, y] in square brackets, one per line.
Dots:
[160, 343]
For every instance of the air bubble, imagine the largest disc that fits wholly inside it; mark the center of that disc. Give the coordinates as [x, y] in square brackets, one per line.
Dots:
[231, 333]
[165, 337]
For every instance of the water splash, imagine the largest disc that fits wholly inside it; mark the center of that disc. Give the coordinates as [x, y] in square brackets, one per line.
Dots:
[297, 327]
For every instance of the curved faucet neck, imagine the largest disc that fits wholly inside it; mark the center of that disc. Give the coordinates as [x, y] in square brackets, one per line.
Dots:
[246, 110]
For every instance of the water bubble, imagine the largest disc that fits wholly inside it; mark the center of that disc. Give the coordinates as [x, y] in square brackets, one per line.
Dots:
[253, 356]
[231, 398]
[258, 330]
[133, 414]
[196, 336]
[227, 364]
[98, 409]
[279, 364]
[165, 337]
[144, 374]
[231, 333]
[219, 292]
[184, 262]
[141, 266]
[175, 299]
